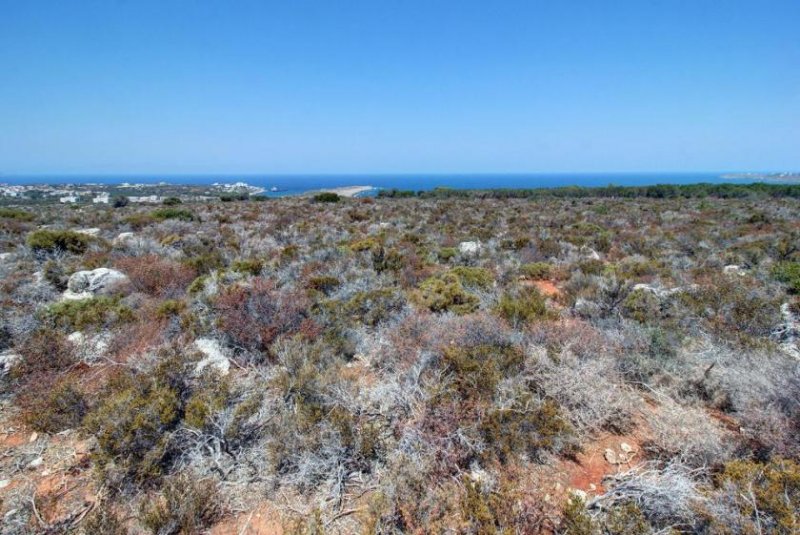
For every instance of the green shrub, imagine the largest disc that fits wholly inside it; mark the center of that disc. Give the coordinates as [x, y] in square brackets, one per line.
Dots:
[250, 266]
[323, 283]
[98, 312]
[170, 308]
[523, 424]
[198, 285]
[51, 408]
[386, 261]
[139, 220]
[474, 277]
[186, 505]
[525, 427]
[16, 213]
[516, 244]
[173, 213]
[54, 274]
[477, 370]
[447, 253]
[789, 274]
[445, 293]
[171, 201]
[522, 306]
[103, 520]
[766, 494]
[204, 402]
[231, 197]
[120, 201]
[326, 196]
[366, 244]
[536, 271]
[205, 262]
[374, 306]
[641, 305]
[575, 519]
[592, 266]
[58, 240]
[133, 423]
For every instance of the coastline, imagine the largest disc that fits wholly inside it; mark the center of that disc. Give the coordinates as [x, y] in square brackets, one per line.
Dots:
[344, 191]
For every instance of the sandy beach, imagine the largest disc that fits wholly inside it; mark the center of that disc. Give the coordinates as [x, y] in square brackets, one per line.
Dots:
[347, 191]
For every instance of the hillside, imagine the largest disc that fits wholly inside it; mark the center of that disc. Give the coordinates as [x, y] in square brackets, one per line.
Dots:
[437, 363]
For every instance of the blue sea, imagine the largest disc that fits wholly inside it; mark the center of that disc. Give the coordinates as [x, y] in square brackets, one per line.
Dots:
[294, 184]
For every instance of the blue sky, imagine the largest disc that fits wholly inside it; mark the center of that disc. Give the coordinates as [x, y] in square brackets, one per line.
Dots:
[384, 86]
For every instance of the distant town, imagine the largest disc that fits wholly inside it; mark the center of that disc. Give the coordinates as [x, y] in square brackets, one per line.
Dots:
[134, 193]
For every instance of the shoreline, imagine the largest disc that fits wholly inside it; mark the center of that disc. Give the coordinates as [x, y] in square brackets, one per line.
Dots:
[344, 191]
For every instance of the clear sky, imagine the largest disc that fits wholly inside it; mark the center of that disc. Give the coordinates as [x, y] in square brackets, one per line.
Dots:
[385, 86]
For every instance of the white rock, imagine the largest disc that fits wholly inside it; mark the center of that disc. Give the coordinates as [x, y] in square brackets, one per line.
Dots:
[90, 348]
[4, 483]
[7, 360]
[76, 338]
[88, 231]
[214, 356]
[100, 281]
[6, 256]
[589, 253]
[624, 446]
[611, 456]
[469, 247]
[733, 269]
[123, 237]
[36, 463]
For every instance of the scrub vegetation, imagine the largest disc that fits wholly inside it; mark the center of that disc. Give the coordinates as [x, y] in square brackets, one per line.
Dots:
[609, 361]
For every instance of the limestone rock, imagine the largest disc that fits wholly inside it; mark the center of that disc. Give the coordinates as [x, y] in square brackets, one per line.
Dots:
[214, 356]
[100, 281]
[589, 253]
[469, 247]
[733, 270]
[123, 238]
[88, 231]
[90, 349]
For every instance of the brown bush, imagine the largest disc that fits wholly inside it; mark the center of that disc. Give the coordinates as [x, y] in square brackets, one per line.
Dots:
[254, 316]
[157, 276]
[46, 351]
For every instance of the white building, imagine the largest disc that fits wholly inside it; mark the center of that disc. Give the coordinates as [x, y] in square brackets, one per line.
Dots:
[146, 198]
[102, 198]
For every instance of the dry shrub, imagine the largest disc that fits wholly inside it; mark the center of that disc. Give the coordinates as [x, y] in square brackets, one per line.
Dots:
[46, 351]
[186, 505]
[51, 405]
[157, 276]
[136, 338]
[688, 434]
[254, 316]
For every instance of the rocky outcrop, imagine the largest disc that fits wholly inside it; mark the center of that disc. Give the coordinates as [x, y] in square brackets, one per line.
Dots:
[88, 231]
[214, 356]
[469, 247]
[733, 269]
[89, 348]
[100, 281]
[123, 238]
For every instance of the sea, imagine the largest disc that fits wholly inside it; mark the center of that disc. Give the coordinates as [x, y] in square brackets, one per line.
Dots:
[281, 185]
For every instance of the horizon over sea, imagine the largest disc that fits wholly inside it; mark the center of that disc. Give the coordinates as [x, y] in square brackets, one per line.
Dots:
[298, 183]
